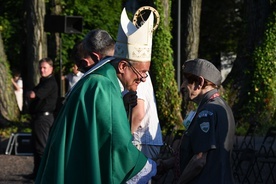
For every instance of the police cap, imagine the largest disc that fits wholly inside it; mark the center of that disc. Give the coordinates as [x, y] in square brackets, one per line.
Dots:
[204, 68]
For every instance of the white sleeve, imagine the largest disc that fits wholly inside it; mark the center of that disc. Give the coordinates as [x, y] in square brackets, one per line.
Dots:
[148, 171]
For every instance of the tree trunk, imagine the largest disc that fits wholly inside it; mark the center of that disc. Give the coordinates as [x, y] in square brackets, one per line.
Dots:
[9, 110]
[238, 82]
[191, 28]
[190, 38]
[36, 40]
[55, 46]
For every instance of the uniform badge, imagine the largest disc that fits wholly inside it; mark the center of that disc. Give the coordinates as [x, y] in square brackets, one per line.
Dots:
[205, 113]
[205, 126]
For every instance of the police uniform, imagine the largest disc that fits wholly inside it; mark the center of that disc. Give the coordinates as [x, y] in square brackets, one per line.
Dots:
[211, 131]
[41, 109]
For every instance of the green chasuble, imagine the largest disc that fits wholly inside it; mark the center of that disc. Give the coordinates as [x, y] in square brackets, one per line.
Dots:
[90, 142]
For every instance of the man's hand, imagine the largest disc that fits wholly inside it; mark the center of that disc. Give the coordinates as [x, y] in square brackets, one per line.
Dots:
[193, 168]
[130, 99]
[30, 94]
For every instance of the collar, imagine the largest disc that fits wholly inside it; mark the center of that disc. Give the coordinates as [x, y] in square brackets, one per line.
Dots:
[121, 86]
[45, 78]
[78, 74]
[209, 96]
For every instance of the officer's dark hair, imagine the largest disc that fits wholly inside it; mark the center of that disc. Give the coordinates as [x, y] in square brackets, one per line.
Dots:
[99, 41]
[193, 78]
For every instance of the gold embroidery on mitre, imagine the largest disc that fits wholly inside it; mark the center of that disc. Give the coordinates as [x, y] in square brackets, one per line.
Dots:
[133, 43]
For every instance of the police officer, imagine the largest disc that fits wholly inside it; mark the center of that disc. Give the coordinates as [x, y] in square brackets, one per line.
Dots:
[205, 148]
[43, 99]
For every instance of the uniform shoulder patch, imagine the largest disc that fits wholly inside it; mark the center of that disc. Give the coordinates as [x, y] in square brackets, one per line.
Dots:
[205, 126]
[204, 113]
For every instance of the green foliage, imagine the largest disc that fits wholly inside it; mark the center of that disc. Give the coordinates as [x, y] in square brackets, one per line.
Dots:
[220, 24]
[263, 93]
[22, 125]
[96, 14]
[11, 27]
[9, 108]
[14, 128]
[163, 74]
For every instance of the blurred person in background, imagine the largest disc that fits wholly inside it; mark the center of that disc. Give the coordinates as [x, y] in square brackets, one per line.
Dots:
[43, 99]
[73, 77]
[18, 88]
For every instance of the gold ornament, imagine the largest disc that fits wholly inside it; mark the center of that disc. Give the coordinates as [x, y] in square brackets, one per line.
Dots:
[141, 15]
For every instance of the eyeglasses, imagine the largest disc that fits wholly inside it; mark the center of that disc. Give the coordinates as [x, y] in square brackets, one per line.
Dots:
[142, 76]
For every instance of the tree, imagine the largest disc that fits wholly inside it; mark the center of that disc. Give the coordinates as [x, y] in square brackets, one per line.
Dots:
[239, 83]
[262, 97]
[220, 29]
[12, 29]
[9, 110]
[191, 28]
[36, 45]
[190, 39]
[163, 72]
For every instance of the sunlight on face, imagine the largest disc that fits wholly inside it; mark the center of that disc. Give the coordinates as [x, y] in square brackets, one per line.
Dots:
[45, 69]
[137, 72]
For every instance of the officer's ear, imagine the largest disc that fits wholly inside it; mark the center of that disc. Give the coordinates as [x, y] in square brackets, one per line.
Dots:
[200, 82]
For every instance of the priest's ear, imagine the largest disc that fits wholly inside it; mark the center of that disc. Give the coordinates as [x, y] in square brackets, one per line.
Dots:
[122, 65]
